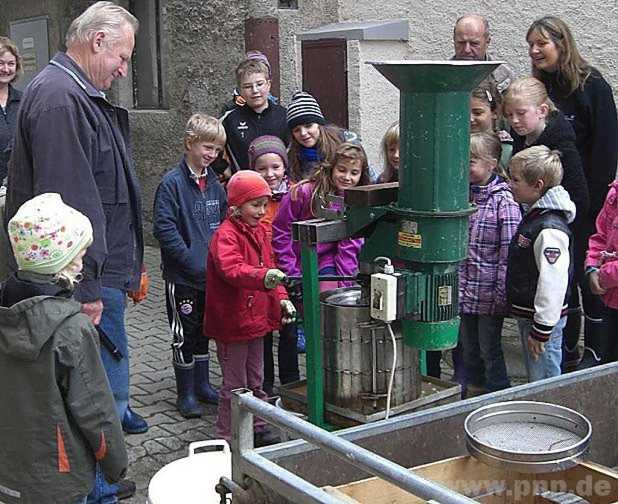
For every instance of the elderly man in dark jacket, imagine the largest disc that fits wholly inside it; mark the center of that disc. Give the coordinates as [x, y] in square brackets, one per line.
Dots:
[71, 140]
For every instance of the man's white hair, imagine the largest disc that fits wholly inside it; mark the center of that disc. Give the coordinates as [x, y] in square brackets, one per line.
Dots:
[106, 17]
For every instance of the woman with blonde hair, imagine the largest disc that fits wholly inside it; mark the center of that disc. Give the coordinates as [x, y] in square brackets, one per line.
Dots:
[586, 99]
[10, 70]
[10, 98]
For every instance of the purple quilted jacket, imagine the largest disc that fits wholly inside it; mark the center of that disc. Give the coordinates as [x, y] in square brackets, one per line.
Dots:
[482, 275]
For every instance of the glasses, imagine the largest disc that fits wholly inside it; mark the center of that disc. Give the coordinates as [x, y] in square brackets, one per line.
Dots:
[258, 86]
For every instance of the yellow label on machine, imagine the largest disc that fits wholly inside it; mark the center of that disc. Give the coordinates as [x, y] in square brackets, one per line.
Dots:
[410, 240]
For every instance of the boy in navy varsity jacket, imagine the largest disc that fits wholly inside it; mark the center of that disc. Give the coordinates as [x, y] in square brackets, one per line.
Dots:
[190, 203]
[540, 264]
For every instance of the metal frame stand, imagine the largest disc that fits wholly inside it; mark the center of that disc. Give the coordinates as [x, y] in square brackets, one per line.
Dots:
[246, 462]
[313, 340]
[309, 233]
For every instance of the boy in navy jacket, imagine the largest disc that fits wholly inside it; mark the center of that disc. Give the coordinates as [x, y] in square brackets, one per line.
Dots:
[190, 203]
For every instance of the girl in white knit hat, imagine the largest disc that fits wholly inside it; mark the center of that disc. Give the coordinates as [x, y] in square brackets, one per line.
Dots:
[53, 388]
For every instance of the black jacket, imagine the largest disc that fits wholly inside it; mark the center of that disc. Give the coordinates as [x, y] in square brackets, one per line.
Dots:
[71, 140]
[184, 220]
[592, 112]
[8, 119]
[243, 125]
[559, 135]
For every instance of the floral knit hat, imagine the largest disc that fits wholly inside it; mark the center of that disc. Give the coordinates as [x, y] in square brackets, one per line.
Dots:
[46, 234]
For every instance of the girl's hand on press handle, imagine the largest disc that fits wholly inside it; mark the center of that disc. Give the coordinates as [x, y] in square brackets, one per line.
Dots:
[273, 278]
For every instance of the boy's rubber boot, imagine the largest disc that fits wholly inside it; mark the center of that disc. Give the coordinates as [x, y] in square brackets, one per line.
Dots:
[597, 341]
[203, 390]
[186, 402]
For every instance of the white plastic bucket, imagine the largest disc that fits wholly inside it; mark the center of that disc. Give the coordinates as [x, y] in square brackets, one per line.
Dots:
[192, 479]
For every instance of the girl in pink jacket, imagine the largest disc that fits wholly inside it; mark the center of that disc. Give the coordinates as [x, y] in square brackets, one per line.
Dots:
[602, 271]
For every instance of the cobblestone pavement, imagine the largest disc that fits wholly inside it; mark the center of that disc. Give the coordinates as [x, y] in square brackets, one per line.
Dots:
[153, 391]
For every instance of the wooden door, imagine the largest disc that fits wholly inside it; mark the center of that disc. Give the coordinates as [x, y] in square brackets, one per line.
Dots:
[325, 76]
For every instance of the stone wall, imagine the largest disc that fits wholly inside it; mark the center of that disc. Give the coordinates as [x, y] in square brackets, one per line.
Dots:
[310, 14]
[203, 41]
[374, 101]
[59, 13]
[430, 37]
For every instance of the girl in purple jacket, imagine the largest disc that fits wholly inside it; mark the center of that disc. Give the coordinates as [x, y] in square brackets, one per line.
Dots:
[348, 169]
[482, 293]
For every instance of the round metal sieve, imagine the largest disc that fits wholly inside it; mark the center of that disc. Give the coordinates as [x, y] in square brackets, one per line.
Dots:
[527, 436]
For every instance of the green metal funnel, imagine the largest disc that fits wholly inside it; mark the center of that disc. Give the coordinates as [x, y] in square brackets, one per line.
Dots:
[434, 130]
[420, 76]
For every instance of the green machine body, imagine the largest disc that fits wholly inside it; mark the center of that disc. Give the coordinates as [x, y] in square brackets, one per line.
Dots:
[423, 229]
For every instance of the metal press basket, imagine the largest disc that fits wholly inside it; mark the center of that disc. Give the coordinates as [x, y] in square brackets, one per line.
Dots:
[528, 436]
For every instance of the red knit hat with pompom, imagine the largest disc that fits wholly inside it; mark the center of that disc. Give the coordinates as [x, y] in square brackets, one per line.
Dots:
[246, 185]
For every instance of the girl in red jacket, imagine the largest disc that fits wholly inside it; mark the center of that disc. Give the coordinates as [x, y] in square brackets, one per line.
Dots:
[244, 296]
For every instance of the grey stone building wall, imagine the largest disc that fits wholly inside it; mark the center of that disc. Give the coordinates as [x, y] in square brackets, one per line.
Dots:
[377, 100]
[293, 22]
[201, 44]
[202, 41]
[430, 37]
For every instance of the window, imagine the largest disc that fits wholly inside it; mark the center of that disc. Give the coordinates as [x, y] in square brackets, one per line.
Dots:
[149, 90]
[288, 4]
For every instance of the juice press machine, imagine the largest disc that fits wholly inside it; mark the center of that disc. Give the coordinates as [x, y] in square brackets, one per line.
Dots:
[416, 234]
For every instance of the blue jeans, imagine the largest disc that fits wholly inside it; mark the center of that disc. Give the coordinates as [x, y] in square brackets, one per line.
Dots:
[548, 363]
[483, 360]
[112, 322]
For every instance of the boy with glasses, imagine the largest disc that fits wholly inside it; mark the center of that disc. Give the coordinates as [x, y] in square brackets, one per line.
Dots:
[258, 117]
